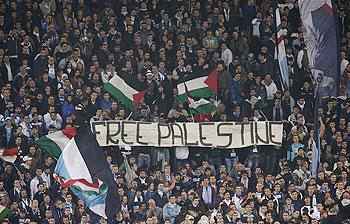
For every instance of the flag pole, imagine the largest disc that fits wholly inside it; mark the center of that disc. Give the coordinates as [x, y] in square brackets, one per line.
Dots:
[188, 102]
[316, 137]
[130, 115]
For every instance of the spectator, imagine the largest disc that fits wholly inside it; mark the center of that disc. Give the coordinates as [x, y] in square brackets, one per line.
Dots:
[171, 209]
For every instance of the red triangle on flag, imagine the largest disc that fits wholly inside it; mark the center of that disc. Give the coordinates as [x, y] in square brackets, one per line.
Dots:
[137, 97]
[10, 152]
[212, 81]
[69, 132]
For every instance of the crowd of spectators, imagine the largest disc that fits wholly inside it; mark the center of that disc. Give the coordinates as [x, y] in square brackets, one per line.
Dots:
[57, 54]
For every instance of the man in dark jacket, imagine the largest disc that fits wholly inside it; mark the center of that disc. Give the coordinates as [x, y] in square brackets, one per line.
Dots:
[224, 80]
[265, 65]
[40, 64]
[92, 105]
[237, 90]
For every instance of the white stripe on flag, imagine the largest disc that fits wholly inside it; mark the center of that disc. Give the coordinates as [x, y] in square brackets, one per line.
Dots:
[75, 163]
[59, 139]
[181, 88]
[194, 104]
[197, 83]
[9, 159]
[120, 84]
[98, 208]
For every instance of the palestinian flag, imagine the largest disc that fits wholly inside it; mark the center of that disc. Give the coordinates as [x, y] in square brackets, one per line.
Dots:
[281, 51]
[125, 90]
[9, 155]
[82, 167]
[201, 106]
[54, 143]
[3, 212]
[255, 102]
[198, 87]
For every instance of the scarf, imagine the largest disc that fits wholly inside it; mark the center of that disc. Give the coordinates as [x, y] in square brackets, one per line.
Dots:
[207, 195]
[237, 114]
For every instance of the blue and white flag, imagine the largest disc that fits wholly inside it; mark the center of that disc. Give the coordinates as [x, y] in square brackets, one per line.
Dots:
[320, 31]
[83, 168]
[281, 51]
[321, 37]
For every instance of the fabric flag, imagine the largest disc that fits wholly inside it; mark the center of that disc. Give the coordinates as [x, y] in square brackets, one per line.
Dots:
[54, 143]
[3, 212]
[9, 155]
[315, 159]
[320, 32]
[321, 37]
[201, 106]
[125, 90]
[83, 168]
[281, 51]
[256, 102]
[198, 87]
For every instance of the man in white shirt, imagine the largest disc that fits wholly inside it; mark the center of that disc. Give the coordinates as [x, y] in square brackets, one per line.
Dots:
[48, 119]
[226, 54]
[271, 87]
[344, 63]
[35, 181]
[157, 76]
[8, 68]
[51, 68]
[54, 120]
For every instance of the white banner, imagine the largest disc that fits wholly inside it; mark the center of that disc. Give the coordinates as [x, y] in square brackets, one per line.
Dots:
[208, 134]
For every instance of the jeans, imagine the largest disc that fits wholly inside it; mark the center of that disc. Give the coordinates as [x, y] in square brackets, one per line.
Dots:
[230, 162]
[253, 161]
[163, 157]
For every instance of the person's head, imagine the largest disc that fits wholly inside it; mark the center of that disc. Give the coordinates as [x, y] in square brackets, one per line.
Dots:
[172, 199]
[238, 76]
[151, 203]
[93, 96]
[333, 178]
[277, 103]
[48, 214]
[143, 207]
[227, 195]
[38, 172]
[189, 219]
[325, 185]
[67, 211]
[296, 110]
[267, 191]
[69, 198]
[237, 109]
[301, 100]
[258, 79]
[58, 204]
